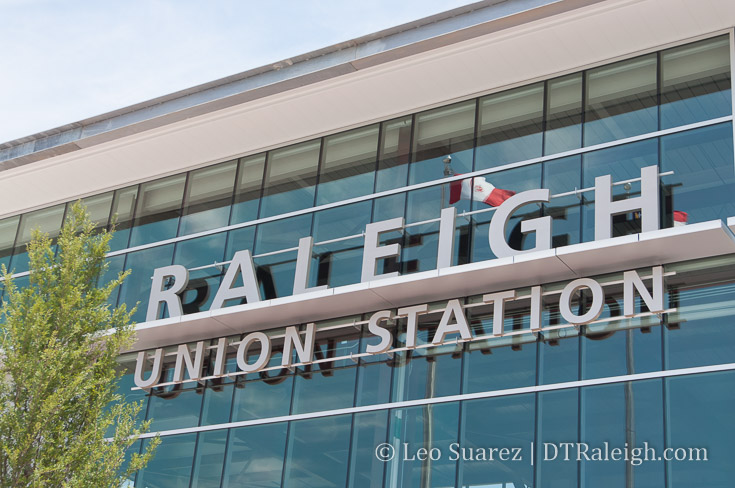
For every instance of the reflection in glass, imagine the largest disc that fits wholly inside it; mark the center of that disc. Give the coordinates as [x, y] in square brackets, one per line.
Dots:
[98, 208]
[563, 176]
[395, 150]
[442, 132]
[318, 452]
[619, 414]
[123, 208]
[171, 464]
[348, 165]
[203, 283]
[47, 220]
[8, 230]
[339, 263]
[699, 414]
[208, 198]
[511, 124]
[255, 456]
[368, 431]
[247, 189]
[621, 100]
[209, 459]
[622, 163]
[137, 285]
[695, 82]
[423, 427]
[158, 209]
[290, 179]
[563, 114]
[703, 182]
[504, 422]
[557, 422]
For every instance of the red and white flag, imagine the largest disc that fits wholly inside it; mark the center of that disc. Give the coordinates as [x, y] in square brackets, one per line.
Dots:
[478, 189]
[680, 218]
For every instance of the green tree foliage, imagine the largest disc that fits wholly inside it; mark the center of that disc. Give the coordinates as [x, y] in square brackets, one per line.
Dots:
[62, 421]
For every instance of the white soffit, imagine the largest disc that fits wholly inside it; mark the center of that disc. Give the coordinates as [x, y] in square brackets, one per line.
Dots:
[664, 246]
[531, 51]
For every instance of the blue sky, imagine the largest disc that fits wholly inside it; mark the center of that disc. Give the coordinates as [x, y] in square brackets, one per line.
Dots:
[66, 60]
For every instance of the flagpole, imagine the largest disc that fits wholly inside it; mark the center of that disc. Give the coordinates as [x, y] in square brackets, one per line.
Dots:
[448, 171]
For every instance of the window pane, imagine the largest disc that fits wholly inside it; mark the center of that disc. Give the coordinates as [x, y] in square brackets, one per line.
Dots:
[442, 132]
[621, 100]
[290, 178]
[174, 407]
[516, 357]
[510, 126]
[247, 190]
[255, 456]
[348, 165]
[426, 372]
[395, 151]
[123, 207]
[562, 176]
[557, 422]
[318, 452]
[696, 82]
[699, 414]
[158, 209]
[701, 332]
[619, 414]
[622, 163]
[517, 180]
[703, 182]
[208, 198]
[209, 459]
[328, 385]
[368, 431]
[98, 207]
[137, 286]
[47, 220]
[203, 283]
[564, 114]
[267, 393]
[339, 263]
[171, 464]
[504, 422]
[8, 230]
[423, 427]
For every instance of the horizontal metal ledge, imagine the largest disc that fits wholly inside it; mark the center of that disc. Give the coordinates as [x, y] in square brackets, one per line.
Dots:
[664, 246]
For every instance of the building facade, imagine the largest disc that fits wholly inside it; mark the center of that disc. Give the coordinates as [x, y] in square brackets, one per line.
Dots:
[525, 344]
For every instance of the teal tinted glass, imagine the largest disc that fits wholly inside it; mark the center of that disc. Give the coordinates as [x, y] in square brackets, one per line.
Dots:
[619, 414]
[426, 427]
[348, 165]
[699, 416]
[703, 182]
[621, 100]
[208, 198]
[557, 419]
[510, 126]
[8, 231]
[290, 178]
[123, 210]
[174, 407]
[247, 189]
[255, 456]
[563, 114]
[203, 253]
[137, 286]
[564, 176]
[318, 452]
[503, 423]
[171, 466]
[695, 82]
[266, 393]
[445, 133]
[395, 154]
[368, 431]
[47, 220]
[158, 210]
[209, 459]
